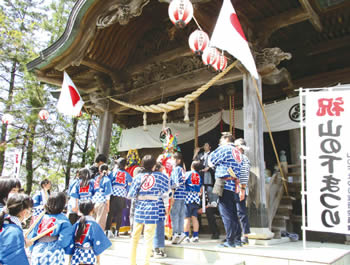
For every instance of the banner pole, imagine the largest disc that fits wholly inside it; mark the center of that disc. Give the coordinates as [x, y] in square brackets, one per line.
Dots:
[302, 160]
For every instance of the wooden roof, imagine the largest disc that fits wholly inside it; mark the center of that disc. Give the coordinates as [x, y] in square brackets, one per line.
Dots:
[130, 50]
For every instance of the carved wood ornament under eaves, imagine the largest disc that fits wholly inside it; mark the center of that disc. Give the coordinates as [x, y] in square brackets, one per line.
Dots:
[121, 11]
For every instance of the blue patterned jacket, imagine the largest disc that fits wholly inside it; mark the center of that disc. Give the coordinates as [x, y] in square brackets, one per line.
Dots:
[222, 158]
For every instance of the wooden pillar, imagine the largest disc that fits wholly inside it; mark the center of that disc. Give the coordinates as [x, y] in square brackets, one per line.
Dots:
[294, 140]
[231, 95]
[104, 133]
[196, 114]
[253, 135]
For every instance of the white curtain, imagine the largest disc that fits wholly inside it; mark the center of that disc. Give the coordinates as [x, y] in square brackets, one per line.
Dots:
[278, 115]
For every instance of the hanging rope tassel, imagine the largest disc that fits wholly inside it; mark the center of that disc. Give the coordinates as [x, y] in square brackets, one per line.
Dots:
[186, 112]
[165, 116]
[145, 121]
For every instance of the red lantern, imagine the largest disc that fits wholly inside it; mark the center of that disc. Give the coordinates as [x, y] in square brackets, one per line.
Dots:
[44, 114]
[210, 56]
[180, 12]
[198, 41]
[221, 63]
[7, 119]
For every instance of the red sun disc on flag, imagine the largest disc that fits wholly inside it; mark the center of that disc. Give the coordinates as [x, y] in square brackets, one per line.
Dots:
[74, 95]
[235, 23]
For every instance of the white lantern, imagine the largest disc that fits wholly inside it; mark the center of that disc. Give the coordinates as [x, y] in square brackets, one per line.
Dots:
[44, 114]
[180, 12]
[7, 119]
[198, 41]
[210, 56]
[220, 64]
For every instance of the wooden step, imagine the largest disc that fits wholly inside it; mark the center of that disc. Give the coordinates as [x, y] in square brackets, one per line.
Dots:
[294, 166]
[285, 197]
[294, 174]
[283, 211]
[296, 218]
[283, 217]
[294, 187]
[279, 223]
[285, 206]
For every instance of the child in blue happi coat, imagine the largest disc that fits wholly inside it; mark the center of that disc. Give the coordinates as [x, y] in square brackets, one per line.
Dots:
[12, 242]
[193, 186]
[177, 180]
[83, 189]
[89, 239]
[121, 181]
[40, 197]
[147, 188]
[72, 209]
[50, 249]
[102, 192]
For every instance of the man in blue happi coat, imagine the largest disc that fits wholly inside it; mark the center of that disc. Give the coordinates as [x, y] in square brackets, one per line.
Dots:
[227, 156]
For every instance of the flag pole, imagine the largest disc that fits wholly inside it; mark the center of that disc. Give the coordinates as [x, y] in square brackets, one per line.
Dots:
[270, 134]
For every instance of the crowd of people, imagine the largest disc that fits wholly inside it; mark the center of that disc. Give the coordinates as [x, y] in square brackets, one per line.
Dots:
[136, 196]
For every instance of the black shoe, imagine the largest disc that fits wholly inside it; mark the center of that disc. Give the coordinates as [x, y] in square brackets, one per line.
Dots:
[226, 245]
[245, 240]
[238, 243]
[215, 236]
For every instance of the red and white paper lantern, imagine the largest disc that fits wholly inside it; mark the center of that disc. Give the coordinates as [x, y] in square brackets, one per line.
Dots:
[198, 41]
[44, 114]
[7, 119]
[180, 12]
[210, 56]
[220, 64]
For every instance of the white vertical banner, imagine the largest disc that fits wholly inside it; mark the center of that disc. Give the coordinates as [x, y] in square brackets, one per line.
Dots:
[17, 162]
[328, 161]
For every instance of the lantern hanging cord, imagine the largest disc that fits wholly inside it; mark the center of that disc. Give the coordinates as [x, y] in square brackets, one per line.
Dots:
[180, 102]
[195, 20]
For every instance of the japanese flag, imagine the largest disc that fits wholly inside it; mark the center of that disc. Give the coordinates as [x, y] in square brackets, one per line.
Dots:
[229, 36]
[70, 101]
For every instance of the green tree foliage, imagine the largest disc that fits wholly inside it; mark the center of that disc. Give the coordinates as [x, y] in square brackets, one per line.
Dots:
[55, 148]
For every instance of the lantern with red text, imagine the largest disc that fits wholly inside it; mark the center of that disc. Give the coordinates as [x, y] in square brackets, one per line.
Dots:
[210, 56]
[7, 119]
[180, 12]
[198, 41]
[221, 63]
[43, 115]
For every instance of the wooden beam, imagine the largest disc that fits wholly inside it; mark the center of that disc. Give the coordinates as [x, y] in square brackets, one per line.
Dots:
[164, 57]
[282, 20]
[83, 88]
[322, 47]
[314, 18]
[87, 73]
[97, 66]
[340, 76]
[115, 77]
[49, 80]
[174, 86]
